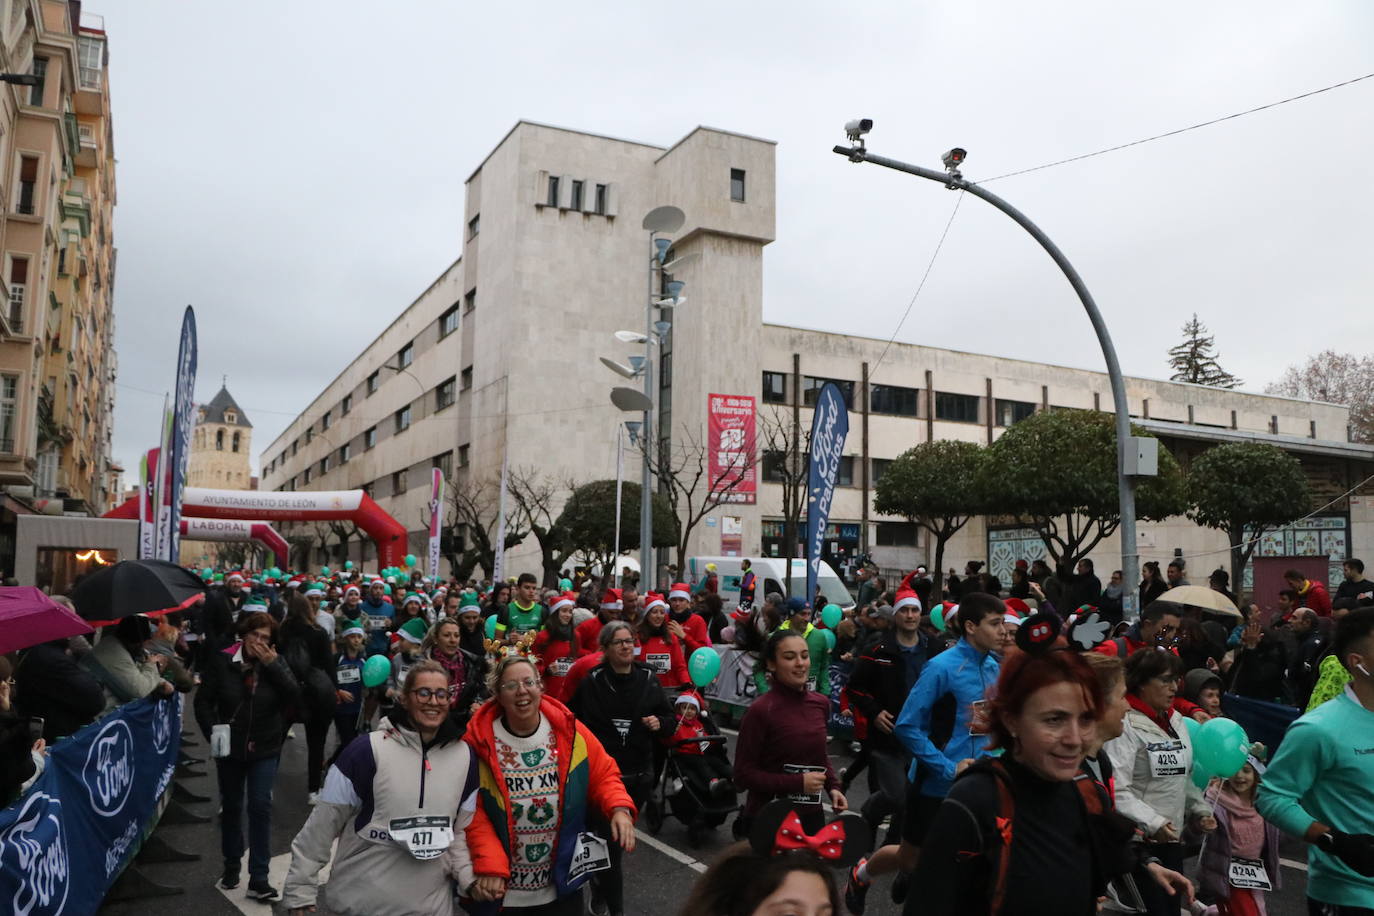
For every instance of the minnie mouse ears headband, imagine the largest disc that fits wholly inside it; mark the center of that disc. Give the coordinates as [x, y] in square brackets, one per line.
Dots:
[1039, 633]
[778, 829]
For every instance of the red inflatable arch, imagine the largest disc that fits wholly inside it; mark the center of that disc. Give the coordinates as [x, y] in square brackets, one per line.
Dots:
[231, 529]
[304, 506]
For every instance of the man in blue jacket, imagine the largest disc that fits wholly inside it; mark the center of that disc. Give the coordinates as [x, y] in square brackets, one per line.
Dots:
[952, 688]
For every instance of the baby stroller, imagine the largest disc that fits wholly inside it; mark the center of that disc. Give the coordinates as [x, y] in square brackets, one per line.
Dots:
[686, 791]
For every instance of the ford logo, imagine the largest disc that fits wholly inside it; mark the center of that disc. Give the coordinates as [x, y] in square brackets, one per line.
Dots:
[162, 726]
[109, 770]
[34, 846]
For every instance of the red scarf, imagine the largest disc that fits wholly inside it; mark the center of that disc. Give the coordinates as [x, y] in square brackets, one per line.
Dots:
[456, 666]
[1141, 706]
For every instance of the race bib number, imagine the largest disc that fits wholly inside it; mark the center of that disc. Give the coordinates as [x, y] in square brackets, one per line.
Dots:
[424, 837]
[978, 718]
[659, 661]
[560, 667]
[376, 623]
[1166, 759]
[590, 854]
[1249, 873]
[350, 675]
[803, 798]
[811, 685]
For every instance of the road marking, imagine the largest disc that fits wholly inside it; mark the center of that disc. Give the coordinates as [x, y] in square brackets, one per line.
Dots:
[669, 851]
[276, 876]
[1300, 866]
[730, 731]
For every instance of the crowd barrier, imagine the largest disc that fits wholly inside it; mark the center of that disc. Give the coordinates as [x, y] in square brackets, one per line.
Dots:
[66, 840]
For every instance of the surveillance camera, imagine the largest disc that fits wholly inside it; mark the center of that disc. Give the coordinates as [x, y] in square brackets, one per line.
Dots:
[858, 127]
[954, 158]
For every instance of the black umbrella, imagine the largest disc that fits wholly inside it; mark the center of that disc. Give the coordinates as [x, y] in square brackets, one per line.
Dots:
[136, 587]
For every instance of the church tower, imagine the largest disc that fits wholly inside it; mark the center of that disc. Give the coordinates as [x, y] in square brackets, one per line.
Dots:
[220, 446]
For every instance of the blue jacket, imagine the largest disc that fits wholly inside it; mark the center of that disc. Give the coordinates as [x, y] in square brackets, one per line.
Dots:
[968, 675]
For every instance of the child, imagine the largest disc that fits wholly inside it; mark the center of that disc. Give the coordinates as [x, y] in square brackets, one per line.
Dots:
[1240, 859]
[704, 765]
[348, 685]
[412, 637]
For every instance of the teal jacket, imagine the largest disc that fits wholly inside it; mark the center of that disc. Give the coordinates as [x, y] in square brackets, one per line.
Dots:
[1322, 772]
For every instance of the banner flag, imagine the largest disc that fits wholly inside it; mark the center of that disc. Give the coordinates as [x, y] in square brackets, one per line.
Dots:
[730, 440]
[829, 426]
[436, 521]
[183, 415]
[147, 511]
[498, 571]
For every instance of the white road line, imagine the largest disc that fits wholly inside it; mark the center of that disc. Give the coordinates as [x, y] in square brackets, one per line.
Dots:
[1300, 866]
[669, 851]
[276, 876]
[730, 731]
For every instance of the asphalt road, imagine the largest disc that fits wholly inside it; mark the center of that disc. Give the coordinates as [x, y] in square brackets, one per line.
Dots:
[658, 873]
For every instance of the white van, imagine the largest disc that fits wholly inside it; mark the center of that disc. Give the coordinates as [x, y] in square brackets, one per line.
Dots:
[769, 571]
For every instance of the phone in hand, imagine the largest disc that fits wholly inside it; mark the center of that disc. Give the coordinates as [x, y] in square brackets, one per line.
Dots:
[35, 728]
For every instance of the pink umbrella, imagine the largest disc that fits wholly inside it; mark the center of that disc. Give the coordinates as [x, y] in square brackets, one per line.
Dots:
[29, 617]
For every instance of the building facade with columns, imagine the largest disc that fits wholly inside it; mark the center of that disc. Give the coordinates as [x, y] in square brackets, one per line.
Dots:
[497, 359]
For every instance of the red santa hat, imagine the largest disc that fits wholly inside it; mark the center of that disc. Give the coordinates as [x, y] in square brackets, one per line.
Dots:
[653, 600]
[611, 600]
[680, 590]
[688, 696]
[352, 590]
[906, 595]
[1017, 607]
[234, 575]
[567, 599]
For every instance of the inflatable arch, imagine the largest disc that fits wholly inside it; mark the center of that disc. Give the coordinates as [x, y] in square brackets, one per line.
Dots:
[302, 506]
[228, 529]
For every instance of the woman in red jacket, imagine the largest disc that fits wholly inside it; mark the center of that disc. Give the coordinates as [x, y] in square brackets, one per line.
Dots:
[659, 648]
[556, 647]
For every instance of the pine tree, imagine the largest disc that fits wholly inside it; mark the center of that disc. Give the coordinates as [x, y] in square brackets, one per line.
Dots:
[1195, 360]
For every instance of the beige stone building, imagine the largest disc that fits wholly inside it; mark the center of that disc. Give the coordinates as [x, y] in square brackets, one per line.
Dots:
[498, 357]
[57, 362]
[221, 441]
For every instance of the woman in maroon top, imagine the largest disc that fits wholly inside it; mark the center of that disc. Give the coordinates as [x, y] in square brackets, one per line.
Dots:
[781, 751]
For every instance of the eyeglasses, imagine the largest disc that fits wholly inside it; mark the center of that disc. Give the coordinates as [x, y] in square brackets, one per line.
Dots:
[432, 694]
[622, 642]
[529, 683]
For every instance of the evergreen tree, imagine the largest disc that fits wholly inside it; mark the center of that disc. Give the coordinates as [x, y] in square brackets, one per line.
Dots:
[1195, 360]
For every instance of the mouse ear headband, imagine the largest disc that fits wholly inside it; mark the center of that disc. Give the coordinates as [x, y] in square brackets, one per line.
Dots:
[778, 829]
[1038, 632]
[1089, 631]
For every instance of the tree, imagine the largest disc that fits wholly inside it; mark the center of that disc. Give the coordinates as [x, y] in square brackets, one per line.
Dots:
[534, 496]
[1246, 489]
[1340, 378]
[785, 450]
[588, 519]
[471, 517]
[937, 485]
[1195, 360]
[690, 486]
[1055, 472]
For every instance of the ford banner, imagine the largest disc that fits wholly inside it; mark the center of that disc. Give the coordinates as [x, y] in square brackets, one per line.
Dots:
[829, 426]
[183, 411]
[65, 840]
[436, 521]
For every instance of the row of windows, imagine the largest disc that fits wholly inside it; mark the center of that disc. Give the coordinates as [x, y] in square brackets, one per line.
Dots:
[899, 401]
[398, 480]
[775, 468]
[568, 193]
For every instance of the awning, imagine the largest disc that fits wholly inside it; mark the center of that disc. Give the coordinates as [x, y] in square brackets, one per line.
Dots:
[1354, 451]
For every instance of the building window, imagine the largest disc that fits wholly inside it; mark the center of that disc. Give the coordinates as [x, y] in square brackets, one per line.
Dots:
[446, 393]
[324, 465]
[879, 465]
[894, 400]
[845, 476]
[470, 300]
[812, 385]
[91, 55]
[295, 446]
[406, 356]
[19, 278]
[1010, 412]
[345, 453]
[448, 322]
[370, 438]
[373, 381]
[402, 418]
[775, 465]
[462, 456]
[775, 388]
[398, 483]
[9, 411]
[553, 191]
[40, 70]
[576, 195]
[474, 225]
[737, 184]
[345, 405]
[896, 534]
[957, 408]
[230, 417]
[219, 440]
[292, 484]
[28, 185]
[235, 445]
[309, 472]
[326, 419]
[309, 435]
[599, 201]
[467, 379]
[444, 463]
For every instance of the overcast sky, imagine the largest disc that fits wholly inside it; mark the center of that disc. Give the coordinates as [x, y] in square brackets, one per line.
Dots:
[295, 169]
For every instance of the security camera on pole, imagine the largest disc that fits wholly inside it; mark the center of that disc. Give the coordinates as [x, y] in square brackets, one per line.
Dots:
[1136, 457]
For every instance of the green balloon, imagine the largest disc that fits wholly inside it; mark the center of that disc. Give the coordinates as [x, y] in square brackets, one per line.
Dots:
[324, 570]
[376, 670]
[1200, 776]
[1221, 747]
[565, 584]
[1193, 726]
[348, 564]
[937, 618]
[831, 615]
[703, 666]
[829, 637]
[410, 560]
[491, 627]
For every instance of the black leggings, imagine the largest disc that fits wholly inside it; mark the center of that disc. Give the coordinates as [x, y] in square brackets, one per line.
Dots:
[567, 905]
[1157, 902]
[609, 884]
[316, 731]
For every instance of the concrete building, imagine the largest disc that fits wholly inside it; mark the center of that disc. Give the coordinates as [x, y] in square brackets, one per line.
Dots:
[498, 357]
[57, 196]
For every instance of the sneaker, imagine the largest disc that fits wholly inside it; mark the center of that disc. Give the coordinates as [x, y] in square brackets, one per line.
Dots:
[313, 799]
[230, 879]
[856, 890]
[291, 732]
[597, 907]
[261, 890]
[845, 781]
[899, 886]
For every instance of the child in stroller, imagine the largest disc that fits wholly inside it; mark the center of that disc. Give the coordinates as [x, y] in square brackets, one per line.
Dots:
[696, 785]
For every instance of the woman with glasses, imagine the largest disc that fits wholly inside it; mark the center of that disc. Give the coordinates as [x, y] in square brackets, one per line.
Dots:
[398, 801]
[624, 706]
[1153, 761]
[542, 775]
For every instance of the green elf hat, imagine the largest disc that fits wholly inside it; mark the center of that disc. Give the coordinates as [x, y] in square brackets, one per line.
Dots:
[413, 630]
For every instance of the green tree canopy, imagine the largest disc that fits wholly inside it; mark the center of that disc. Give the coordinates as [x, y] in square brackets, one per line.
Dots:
[1246, 489]
[938, 486]
[1195, 359]
[588, 519]
[1056, 471]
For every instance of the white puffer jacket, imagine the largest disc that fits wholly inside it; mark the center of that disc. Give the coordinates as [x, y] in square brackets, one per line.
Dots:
[1153, 772]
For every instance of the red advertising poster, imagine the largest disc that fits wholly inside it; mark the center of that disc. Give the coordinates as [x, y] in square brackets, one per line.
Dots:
[730, 441]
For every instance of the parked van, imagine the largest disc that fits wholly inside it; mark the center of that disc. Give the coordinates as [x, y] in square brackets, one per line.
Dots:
[769, 572]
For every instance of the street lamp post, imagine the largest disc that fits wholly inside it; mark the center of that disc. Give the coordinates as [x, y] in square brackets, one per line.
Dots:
[1127, 448]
